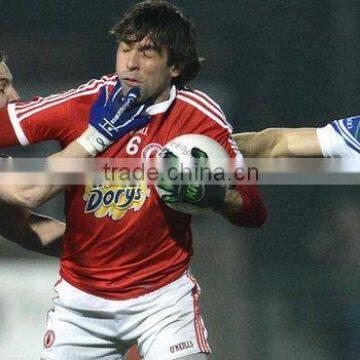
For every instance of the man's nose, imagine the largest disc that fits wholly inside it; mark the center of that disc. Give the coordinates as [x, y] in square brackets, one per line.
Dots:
[133, 60]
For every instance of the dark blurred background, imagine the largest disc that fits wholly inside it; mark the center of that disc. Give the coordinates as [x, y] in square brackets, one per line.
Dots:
[287, 291]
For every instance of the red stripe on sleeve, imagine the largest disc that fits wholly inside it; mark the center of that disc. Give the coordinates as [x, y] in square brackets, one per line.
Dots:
[7, 133]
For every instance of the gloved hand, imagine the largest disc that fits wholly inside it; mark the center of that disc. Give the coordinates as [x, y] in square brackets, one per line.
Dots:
[193, 192]
[112, 117]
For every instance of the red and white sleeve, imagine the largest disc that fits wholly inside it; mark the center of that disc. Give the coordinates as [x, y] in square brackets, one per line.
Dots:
[56, 117]
[38, 120]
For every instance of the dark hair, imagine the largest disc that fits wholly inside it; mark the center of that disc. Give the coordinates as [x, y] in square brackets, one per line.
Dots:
[167, 27]
[2, 56]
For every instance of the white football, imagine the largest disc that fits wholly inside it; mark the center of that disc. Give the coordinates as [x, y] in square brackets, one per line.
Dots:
[181, 147]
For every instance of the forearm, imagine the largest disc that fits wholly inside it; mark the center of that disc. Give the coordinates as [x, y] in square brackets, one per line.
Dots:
[28, 196]
[243, 207]
[266, 143]
[31, 196]
[281, 142]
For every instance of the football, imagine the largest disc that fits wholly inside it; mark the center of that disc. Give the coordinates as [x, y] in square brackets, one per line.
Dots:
[181, 147]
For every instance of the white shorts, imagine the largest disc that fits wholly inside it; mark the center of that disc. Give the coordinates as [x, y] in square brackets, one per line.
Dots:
[165, 324]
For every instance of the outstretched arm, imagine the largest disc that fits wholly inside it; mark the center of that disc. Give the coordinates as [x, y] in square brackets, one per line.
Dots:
[281, 142]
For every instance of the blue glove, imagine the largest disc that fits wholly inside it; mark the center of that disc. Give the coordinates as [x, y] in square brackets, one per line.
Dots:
[112, 117]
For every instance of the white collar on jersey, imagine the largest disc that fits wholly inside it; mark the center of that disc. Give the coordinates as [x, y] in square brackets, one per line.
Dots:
[163, 106]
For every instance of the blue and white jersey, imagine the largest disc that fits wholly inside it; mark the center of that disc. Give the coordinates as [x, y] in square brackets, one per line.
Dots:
[341, 138]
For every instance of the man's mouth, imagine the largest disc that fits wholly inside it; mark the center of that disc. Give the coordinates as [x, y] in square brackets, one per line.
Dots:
[131, 82]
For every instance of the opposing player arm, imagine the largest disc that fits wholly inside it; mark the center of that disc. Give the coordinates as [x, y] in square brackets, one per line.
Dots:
[281, 142]
[31, 196]
[31, 231]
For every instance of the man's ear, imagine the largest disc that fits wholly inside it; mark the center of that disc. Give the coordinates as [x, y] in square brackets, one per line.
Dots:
[176, 70]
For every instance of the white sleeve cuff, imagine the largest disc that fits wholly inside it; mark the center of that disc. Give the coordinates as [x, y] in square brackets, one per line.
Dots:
[332, 144]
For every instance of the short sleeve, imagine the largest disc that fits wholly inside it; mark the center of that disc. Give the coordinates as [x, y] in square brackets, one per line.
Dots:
[37, 121]
[60, 117]
[340, 138]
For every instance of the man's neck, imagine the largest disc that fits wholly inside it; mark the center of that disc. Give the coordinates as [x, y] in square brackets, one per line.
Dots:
[165, 95]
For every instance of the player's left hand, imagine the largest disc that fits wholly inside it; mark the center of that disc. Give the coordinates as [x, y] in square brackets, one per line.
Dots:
[194, 192]
[112, 116]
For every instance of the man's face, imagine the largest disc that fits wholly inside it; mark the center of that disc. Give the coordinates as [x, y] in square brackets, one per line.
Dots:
[7, 91]
[141, 65]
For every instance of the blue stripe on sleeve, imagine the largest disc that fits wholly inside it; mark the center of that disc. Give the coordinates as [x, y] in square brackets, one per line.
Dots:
[349, 130]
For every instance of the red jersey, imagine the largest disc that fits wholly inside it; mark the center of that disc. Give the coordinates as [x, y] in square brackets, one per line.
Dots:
[119, 251]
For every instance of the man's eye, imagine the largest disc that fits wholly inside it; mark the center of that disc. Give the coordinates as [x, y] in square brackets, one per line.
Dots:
[148, 53]
[3, 85]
